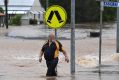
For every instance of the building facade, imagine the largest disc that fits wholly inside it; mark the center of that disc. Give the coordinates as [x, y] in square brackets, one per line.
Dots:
[28, 9]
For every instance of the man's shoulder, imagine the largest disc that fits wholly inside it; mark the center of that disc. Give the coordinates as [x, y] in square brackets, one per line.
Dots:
[46, 42]
[58, 42]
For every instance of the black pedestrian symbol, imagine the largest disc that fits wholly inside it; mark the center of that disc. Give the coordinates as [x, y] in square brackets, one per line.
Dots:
[57, 15]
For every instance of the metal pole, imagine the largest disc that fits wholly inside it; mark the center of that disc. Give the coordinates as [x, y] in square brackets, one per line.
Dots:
[6, 13]
[117, 29]
[47, 4]
[56, 33]
[100, 39]
[56, 38]
[72, 36]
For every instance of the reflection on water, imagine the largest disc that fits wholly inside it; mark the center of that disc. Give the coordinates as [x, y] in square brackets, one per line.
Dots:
[100, 78]
[51, 78]
[62, 78]
[78, 77]
[95, 76]
[73, 78]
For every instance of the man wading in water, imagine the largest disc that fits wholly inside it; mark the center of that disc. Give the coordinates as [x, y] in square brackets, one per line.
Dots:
[50, 50]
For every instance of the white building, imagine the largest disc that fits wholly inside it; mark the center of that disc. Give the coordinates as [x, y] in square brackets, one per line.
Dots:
[29, 9]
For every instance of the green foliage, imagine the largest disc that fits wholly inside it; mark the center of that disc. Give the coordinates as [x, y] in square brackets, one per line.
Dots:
[33, 21]
[89, 11]
[16, 20]
[1, 10]
[109, 14]
[86, 10]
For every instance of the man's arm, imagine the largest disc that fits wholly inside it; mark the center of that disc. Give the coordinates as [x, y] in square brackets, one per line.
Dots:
[61, 48]
[41, 53]
[40, 56]
[66, 56]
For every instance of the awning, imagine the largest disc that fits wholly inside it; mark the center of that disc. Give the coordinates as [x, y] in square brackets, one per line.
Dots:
[36, 12]
[17, 12]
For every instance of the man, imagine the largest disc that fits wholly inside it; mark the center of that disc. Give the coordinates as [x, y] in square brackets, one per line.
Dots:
[50, 50]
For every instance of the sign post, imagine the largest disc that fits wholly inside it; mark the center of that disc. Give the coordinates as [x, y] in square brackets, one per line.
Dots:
[56, 33]
[47, 4]
[72, 37]
[108, 3]
[101, 27]
[117, 29]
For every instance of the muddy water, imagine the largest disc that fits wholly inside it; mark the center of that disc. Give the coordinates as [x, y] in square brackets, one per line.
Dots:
[19, 58]
[92, 61]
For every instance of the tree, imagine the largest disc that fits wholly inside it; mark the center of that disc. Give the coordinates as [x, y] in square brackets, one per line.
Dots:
[86, 10]
[1, 10]
[16, 20]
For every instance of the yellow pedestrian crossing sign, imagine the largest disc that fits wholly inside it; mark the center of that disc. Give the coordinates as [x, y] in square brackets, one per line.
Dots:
[55, 16]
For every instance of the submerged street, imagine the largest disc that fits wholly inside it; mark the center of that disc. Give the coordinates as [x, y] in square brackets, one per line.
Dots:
[19, 57]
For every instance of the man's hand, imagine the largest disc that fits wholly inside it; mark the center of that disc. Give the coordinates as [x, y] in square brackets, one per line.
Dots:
[40, 59]
[67, 59]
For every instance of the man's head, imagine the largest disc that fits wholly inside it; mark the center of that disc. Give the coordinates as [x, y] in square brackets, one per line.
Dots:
[51, 37]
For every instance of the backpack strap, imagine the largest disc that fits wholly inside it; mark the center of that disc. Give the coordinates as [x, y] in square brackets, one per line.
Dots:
[57, 50]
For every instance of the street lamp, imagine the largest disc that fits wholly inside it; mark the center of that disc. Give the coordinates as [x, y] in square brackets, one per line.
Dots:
[6, 13]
